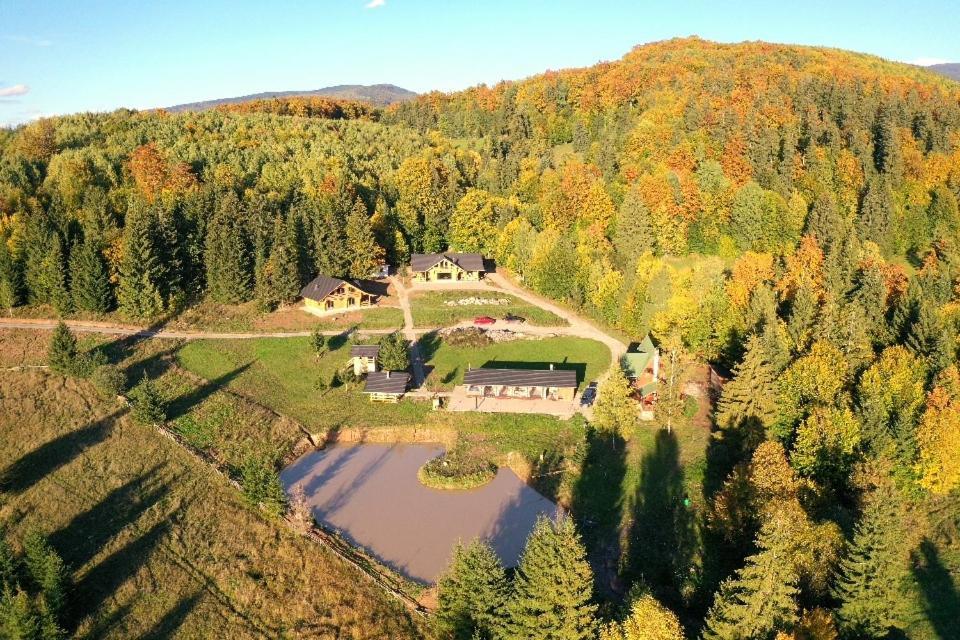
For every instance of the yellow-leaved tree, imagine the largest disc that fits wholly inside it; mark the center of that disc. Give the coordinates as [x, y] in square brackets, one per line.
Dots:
[938, 436]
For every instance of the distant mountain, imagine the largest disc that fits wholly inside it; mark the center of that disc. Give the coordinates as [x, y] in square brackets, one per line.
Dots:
[949, 69]
[379, 95]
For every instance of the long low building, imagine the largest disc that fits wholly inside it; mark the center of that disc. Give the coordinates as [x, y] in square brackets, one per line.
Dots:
[548, 384]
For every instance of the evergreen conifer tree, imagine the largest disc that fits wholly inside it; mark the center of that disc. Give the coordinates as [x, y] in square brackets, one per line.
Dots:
[226, 255]
[9, 278]
[803, 316]
[471, 594]
[634, 232]
[931, 338]
[62, 352]
[53, 278]
[330, 238]
[141, 268]
[867, 580]
[875, 211]
[277, 278]
[751, 394]
[89, 282]
[761, 598]
[365, 253]
[553, 586]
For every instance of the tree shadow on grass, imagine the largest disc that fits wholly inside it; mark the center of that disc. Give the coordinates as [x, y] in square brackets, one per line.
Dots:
[173, 619]
[183, 404]
[597, 506]
[939, 590]
[83, 537]
[661, 533]
[102, 581]
[54, 454]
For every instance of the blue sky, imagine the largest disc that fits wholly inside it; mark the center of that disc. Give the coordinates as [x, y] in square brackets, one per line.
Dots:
[67, 56]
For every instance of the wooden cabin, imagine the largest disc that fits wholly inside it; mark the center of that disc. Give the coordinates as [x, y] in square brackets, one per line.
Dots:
[386, 386]
[364, 358]
[447, 267]
[641, 365]
[539, 384]
[326, 293]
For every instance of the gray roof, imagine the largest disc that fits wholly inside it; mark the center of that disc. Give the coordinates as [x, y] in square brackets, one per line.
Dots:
[387, 382]
[323, 285]
[466, 261]
[521, 377]
[364, 350]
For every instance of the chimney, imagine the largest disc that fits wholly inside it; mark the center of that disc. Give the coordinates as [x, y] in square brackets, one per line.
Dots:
[551, 366]
[388, 374]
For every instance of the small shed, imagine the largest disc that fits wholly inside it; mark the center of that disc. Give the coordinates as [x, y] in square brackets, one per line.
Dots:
[364, 358]
[386, 386]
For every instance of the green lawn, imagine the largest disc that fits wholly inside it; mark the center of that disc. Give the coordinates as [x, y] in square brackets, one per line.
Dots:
[282, 374]
[588, 357]
[429, 309]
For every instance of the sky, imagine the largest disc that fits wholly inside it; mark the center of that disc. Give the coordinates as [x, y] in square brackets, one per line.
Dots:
[59, 56]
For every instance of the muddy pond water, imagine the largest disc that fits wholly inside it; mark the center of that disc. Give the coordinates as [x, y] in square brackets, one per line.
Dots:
[370, 494]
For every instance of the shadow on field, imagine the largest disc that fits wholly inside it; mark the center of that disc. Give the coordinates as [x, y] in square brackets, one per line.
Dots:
[194, 397]
[84, 536]
[50, 456]
[939, 591]
[102, 581]
[661, 535]
[172, 620]
[599, 493]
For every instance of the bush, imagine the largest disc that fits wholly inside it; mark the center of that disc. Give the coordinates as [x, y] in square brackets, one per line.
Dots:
[84, 364]
[149, 407]
[261, 485]
[109, 380]
[458, 468]
[690, 407]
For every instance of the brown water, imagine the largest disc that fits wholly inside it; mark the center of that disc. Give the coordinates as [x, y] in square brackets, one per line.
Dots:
[371, 495]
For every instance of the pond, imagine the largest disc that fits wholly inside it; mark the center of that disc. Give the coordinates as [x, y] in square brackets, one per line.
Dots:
[370, 494]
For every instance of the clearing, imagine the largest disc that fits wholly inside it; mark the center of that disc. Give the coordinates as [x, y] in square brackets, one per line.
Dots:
[430, 308]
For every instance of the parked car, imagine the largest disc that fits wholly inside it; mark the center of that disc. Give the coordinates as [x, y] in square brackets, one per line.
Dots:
[589, 395]
[481, 320]
[512, 319]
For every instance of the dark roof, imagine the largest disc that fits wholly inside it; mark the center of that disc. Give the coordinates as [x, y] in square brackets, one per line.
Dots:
[364, 350]
[521, 377]
[380, 382]
[466, 261]
[322, 286]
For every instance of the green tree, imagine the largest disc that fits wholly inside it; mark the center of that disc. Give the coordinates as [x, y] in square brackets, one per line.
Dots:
[826, 446]
[142, 270]
[553, 586]
[674, 373]
[889, 398]
[393, 355]
[46, 571]
[615, 411]
[89, 281]
[227, 256]
[53, 277]
[760, 599]
[867, 583]
[751, 394]
[876, 209]
[471, 594]
[365, 253]
[62, 353]
[10, 283]
[472, 224]
[634, 231]
[277, 279]
[149, 406]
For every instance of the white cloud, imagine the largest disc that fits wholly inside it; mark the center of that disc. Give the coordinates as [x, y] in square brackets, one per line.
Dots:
[15, 90]
[926, 62]
[36, 42]
[373, 4]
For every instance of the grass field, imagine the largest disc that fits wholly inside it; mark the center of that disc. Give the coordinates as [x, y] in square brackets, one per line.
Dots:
[158, 545]
[429, 309]
[587, 357]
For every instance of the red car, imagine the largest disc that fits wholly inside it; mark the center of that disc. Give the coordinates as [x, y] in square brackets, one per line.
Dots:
[480, 320]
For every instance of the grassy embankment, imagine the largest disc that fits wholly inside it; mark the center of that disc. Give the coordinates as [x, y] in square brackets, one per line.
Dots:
[158, 545]
[429, 309]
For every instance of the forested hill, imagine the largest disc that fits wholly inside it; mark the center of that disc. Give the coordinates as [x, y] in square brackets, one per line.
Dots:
[950, 69]
[787, 214]
[379, 95]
